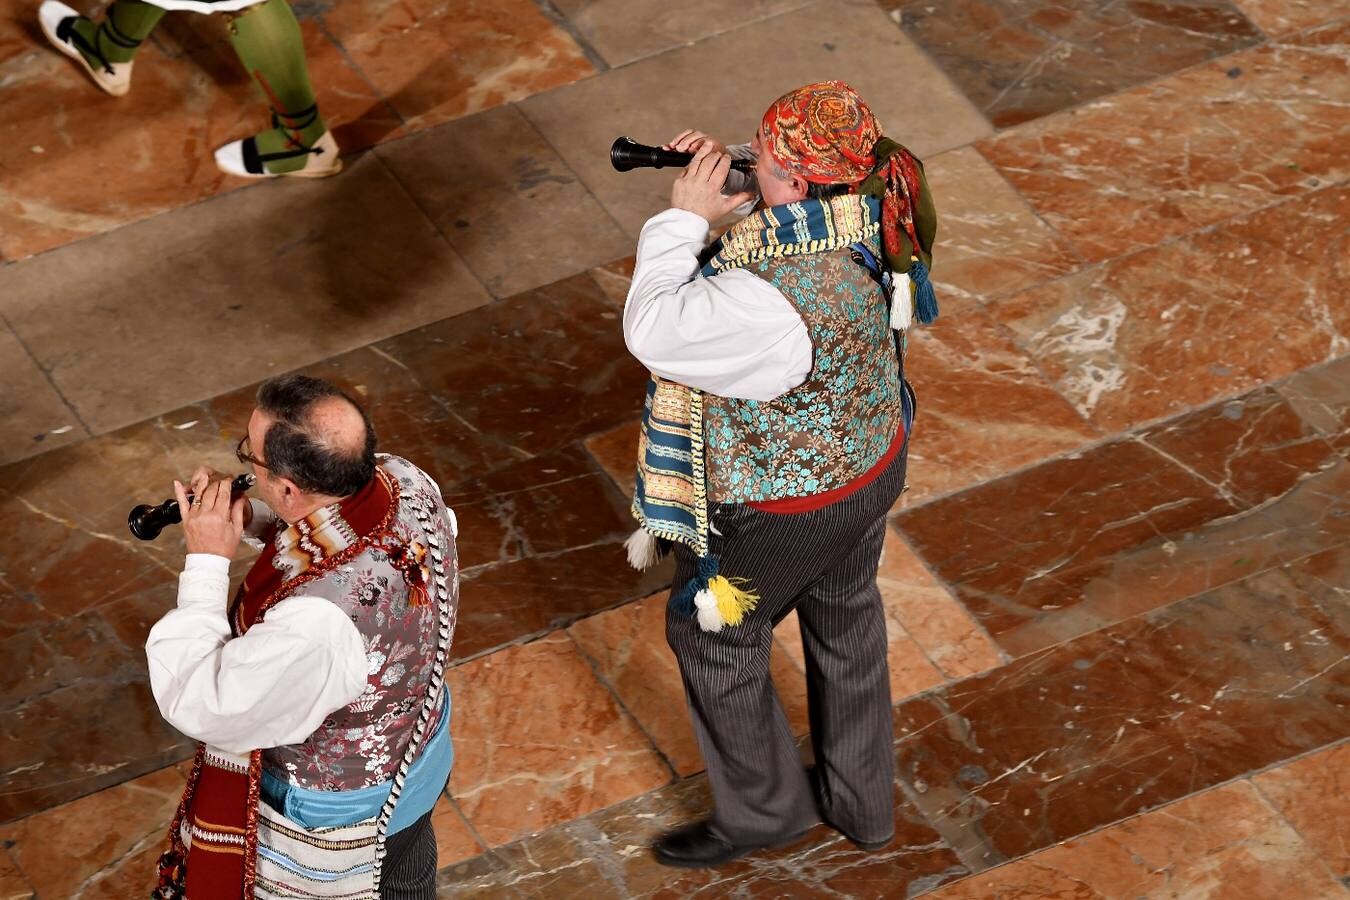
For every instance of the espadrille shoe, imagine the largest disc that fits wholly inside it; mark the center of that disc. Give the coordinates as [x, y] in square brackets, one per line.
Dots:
[243, 159]
[57, 21]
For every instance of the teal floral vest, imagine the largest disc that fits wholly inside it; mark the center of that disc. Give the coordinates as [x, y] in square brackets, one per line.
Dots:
[838, 423]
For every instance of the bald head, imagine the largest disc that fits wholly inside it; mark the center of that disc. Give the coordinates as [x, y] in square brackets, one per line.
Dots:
[316, 436]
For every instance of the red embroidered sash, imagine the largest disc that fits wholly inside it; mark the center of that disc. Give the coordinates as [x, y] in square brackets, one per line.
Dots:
[219, 809]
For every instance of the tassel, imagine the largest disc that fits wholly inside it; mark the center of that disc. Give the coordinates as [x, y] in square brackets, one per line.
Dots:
[709, 615]
[683, 599]
[926, 305]
[732, 603]
[686, 599]
[643, 549]
[902, 303]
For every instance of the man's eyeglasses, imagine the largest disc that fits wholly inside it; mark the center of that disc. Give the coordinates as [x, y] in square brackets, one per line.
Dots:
[244, 455]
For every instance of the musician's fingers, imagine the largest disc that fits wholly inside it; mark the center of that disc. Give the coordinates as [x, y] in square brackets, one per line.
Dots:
[675, 141]
[237, 512]
[180, 494]
[714, 168]
[703, 162]
[200, 479]
[216, 499]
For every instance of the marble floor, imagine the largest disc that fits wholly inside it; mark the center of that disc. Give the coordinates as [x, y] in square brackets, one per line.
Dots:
[1117, 592]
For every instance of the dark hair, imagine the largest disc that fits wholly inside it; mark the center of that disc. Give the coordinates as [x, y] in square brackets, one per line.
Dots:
[293, 450]
[825, 191]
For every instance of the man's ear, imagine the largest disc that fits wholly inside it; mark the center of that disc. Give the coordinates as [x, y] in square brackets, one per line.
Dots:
[799, 185]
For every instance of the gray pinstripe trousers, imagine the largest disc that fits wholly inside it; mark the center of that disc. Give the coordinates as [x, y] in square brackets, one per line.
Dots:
[410, 863]
[824, 565]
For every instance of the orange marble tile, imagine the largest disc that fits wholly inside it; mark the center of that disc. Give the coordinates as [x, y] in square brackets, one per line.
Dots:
[628, 645]
[616, 452]
[1188, 151]
[629, 650]
[925, 610]
[454, 841]
[1138, 338]
[1224, 844]
[108, 841]
[1281, 17]
[984, 409]
[1022, 59]
[13, 886]
[439, 61]
[1313, 795]
[911, 671]
[990, 244]
[540, 741]
[78, 162]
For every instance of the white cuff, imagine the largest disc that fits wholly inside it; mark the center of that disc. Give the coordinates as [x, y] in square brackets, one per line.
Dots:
[208, 564]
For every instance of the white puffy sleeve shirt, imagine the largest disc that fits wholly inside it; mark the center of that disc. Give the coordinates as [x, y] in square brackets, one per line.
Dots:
[270, 687]
[734, 335]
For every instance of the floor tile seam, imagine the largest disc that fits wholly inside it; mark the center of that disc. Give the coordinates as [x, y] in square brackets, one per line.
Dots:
[716, 33]
[449, 246]
[1003, 655]
[550, 11]
[1109, 438]
[251, 184]
[1104, 826]
[1154, 81]
[613, 693]
[495, 299]
[1306, 30]
[341, 48]
[1096, 829]
[986, 300]
[918, 48]
[537, 635]
[1269, 803]
[580, 181]
[1074, 250]
[8, 852]
[939, 689]
[468, 825]
[156, 836]
[47, 376]
[495, 852]
[1022, 347]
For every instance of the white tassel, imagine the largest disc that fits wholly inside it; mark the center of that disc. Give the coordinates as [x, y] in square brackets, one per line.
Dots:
[902, 302]
[643, 551]
[709, 618]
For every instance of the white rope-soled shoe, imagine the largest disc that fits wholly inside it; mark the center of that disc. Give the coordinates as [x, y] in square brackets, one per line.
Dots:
[57, 21]
[242, 158]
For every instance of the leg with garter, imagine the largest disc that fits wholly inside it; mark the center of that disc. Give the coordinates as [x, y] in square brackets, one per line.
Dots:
[268, 41]
[105, 49]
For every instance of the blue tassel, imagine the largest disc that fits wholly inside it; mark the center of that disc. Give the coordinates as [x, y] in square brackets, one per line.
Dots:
[925, 301]
[683, 600]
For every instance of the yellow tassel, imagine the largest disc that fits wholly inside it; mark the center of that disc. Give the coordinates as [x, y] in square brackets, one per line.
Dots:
[732, 602]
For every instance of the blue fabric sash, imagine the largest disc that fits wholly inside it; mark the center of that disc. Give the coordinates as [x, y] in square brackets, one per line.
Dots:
[324, 809]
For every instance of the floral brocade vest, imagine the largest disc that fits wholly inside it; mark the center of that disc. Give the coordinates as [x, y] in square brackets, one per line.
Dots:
[837, 424]
[361, 745]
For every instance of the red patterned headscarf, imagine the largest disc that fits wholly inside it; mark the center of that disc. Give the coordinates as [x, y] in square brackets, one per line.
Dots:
[826, 134]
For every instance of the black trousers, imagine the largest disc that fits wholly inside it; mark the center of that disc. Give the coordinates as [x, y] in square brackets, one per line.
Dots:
[823, 564]
[409, 871]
